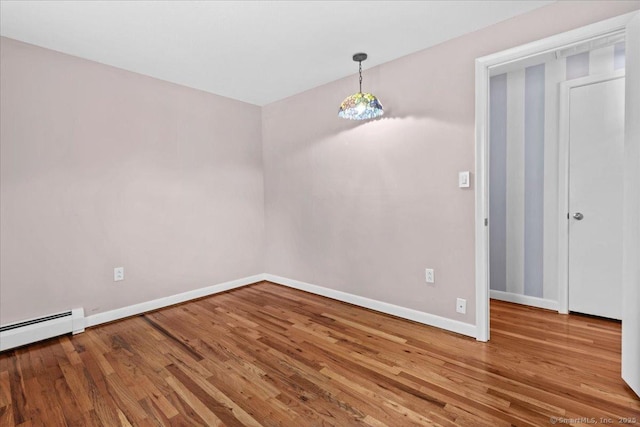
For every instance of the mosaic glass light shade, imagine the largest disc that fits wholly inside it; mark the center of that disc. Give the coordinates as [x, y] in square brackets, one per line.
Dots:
[360, 106]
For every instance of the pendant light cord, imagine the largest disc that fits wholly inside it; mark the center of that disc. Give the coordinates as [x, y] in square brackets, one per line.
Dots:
[360, 72]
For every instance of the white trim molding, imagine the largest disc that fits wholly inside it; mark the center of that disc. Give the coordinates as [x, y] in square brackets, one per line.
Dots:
[132, 310]
[484, 65]
[524, 299]
[383, 307]
[80, 322]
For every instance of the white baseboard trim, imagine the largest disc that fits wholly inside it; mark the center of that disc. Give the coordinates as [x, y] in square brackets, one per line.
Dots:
[395, 310]
[524, 299]
[132, 310]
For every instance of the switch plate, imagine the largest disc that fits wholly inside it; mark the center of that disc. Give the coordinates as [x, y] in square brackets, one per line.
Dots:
[463, 179]
[461, 305]
[429, 275]
[118, 274]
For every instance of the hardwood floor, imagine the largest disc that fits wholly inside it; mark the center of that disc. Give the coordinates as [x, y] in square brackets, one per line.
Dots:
[266, 355]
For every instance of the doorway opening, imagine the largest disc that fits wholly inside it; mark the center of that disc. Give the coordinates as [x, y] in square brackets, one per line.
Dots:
[556, 141]
[574, 44]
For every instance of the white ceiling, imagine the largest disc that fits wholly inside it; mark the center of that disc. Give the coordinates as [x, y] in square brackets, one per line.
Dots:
[254, 51]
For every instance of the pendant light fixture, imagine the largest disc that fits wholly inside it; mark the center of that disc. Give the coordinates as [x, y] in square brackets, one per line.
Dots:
[360, 106]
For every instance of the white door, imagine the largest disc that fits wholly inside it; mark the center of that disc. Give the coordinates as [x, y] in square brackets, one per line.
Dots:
[596, 176]
[631, 239]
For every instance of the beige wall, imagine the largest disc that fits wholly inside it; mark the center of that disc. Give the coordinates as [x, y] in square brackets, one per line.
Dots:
[104, 168]
[365, 207]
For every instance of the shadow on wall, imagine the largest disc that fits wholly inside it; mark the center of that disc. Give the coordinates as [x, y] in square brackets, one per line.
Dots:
[364, 192]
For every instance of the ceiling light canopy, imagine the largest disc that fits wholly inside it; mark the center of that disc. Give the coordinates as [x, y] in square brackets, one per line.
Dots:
[360, 106]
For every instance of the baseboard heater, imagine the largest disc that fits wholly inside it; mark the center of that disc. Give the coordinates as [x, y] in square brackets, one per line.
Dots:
[29, 331]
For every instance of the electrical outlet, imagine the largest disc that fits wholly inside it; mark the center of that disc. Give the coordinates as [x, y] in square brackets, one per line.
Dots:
[461, 305]
[118, 274]
[429, 276]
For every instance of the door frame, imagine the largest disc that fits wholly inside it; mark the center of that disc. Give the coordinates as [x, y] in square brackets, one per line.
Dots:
[563, 179]
[482, 72]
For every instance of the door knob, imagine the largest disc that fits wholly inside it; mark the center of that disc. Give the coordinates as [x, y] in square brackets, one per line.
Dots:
[578, 216]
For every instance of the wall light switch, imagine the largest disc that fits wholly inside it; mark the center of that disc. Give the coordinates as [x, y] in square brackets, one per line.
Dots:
[463, 179]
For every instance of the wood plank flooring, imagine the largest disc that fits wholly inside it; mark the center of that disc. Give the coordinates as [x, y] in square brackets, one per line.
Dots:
[266, 355]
